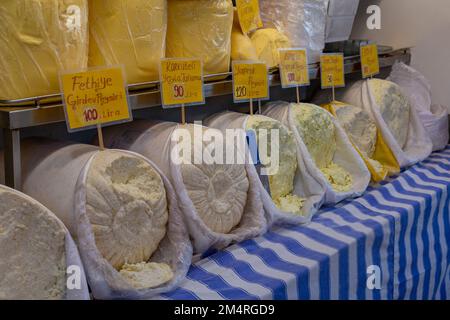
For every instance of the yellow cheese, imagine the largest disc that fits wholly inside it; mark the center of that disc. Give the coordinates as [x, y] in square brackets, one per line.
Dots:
[201, 29]
[128, 33]
[241, 46]
[267, 42]
[38, 39]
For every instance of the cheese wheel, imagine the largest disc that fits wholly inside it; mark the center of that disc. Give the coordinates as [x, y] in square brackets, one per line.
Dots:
[32, 249]
[131, 33]
[39, 39]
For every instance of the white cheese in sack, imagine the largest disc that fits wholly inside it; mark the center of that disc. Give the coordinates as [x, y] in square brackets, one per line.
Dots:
[281, 181]
[147, 275]
[32, 249]
[127, 208]
[394, 108]
[38, 39]
[201, 29]
[267, 42]
[317, 131]
[128, 33]
[218, 191]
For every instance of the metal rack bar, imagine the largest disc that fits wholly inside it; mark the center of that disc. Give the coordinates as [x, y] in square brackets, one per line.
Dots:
[35, 111]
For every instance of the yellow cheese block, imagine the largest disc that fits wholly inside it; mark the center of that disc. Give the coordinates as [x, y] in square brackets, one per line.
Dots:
[38, 39]
[267, 42]
[130, 33]
[201, 29]
[241, 46]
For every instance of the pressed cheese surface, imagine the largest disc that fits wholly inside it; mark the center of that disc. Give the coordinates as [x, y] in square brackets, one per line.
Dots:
[317, 131]
[281, 182]
[394, 108]
[266, 43]
[147, 275]
[127, 207]
[217, 191]
[32, 250]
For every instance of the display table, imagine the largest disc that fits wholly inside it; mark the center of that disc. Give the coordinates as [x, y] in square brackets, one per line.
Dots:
[399, 230]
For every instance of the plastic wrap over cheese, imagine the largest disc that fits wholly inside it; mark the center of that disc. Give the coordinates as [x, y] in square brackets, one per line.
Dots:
[302, 21]
[201, 29]
[129, 33]
[38, 39]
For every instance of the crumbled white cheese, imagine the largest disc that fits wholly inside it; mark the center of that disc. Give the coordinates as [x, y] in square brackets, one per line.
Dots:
[146, 275]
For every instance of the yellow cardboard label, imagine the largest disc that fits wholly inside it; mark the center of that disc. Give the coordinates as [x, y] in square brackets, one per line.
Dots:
[181, 82]
[370, 64]
[95, 97]
[250, 81]
[332, 70]
[293, 68]
[249, 16]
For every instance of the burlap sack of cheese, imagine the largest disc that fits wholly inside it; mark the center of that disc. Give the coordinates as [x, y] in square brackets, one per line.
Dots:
[38, 39]
[293, 196]
[241, 45]
[121, 211]
[267, 42]
[220, 202]
[366, 138]
[302, 21]
[434, 117]
[395, 118]
[128, 33]
[37, 252]
[326, 149]
[201, 29]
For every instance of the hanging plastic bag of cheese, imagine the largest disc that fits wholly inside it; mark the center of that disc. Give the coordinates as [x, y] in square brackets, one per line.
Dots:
[366, 138]
[397, 121]
[121, 210]
[241, 45]
[434, 117]
[38, 255]
[201, 29]
[128, 33]
[289, 193]
[219, 199]
[38, 39]
[303, 22]
[267, 42]
[325, 146]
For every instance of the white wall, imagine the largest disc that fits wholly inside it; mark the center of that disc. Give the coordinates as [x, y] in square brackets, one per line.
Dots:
[422, 24]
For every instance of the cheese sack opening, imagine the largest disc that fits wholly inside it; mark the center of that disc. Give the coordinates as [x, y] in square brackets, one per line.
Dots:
[267, 42]
[218, 191]
[128, 33]
[317, 131]
[201, 29]
[39, 39]
[394, 108]
[32, 249]
[281, 175]
[127, 208]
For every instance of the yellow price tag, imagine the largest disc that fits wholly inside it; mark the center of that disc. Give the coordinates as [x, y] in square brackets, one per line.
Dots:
[294, 68]
[370, 64]
[249, 16]
[181, 82]
[332, 70]
[95, 97]
[250, 81]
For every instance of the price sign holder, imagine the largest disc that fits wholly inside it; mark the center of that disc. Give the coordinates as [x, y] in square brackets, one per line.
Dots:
[332, 71]
[294, 70]
[95, 97]
[181, 84]
[250, 82]
[249, 15]
[370, 64]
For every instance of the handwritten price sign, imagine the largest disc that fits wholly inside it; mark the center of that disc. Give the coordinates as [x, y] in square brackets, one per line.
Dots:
[332, 70]
[293, 68]
[95, 97]
[249, 16]
[370, 65]
[250, 81]
[181, 82]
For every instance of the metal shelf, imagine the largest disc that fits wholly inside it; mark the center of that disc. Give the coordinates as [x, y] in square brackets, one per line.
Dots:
[35, 111]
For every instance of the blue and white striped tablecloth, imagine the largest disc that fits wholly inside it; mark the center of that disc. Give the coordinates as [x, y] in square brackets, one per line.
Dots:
[402, 226]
